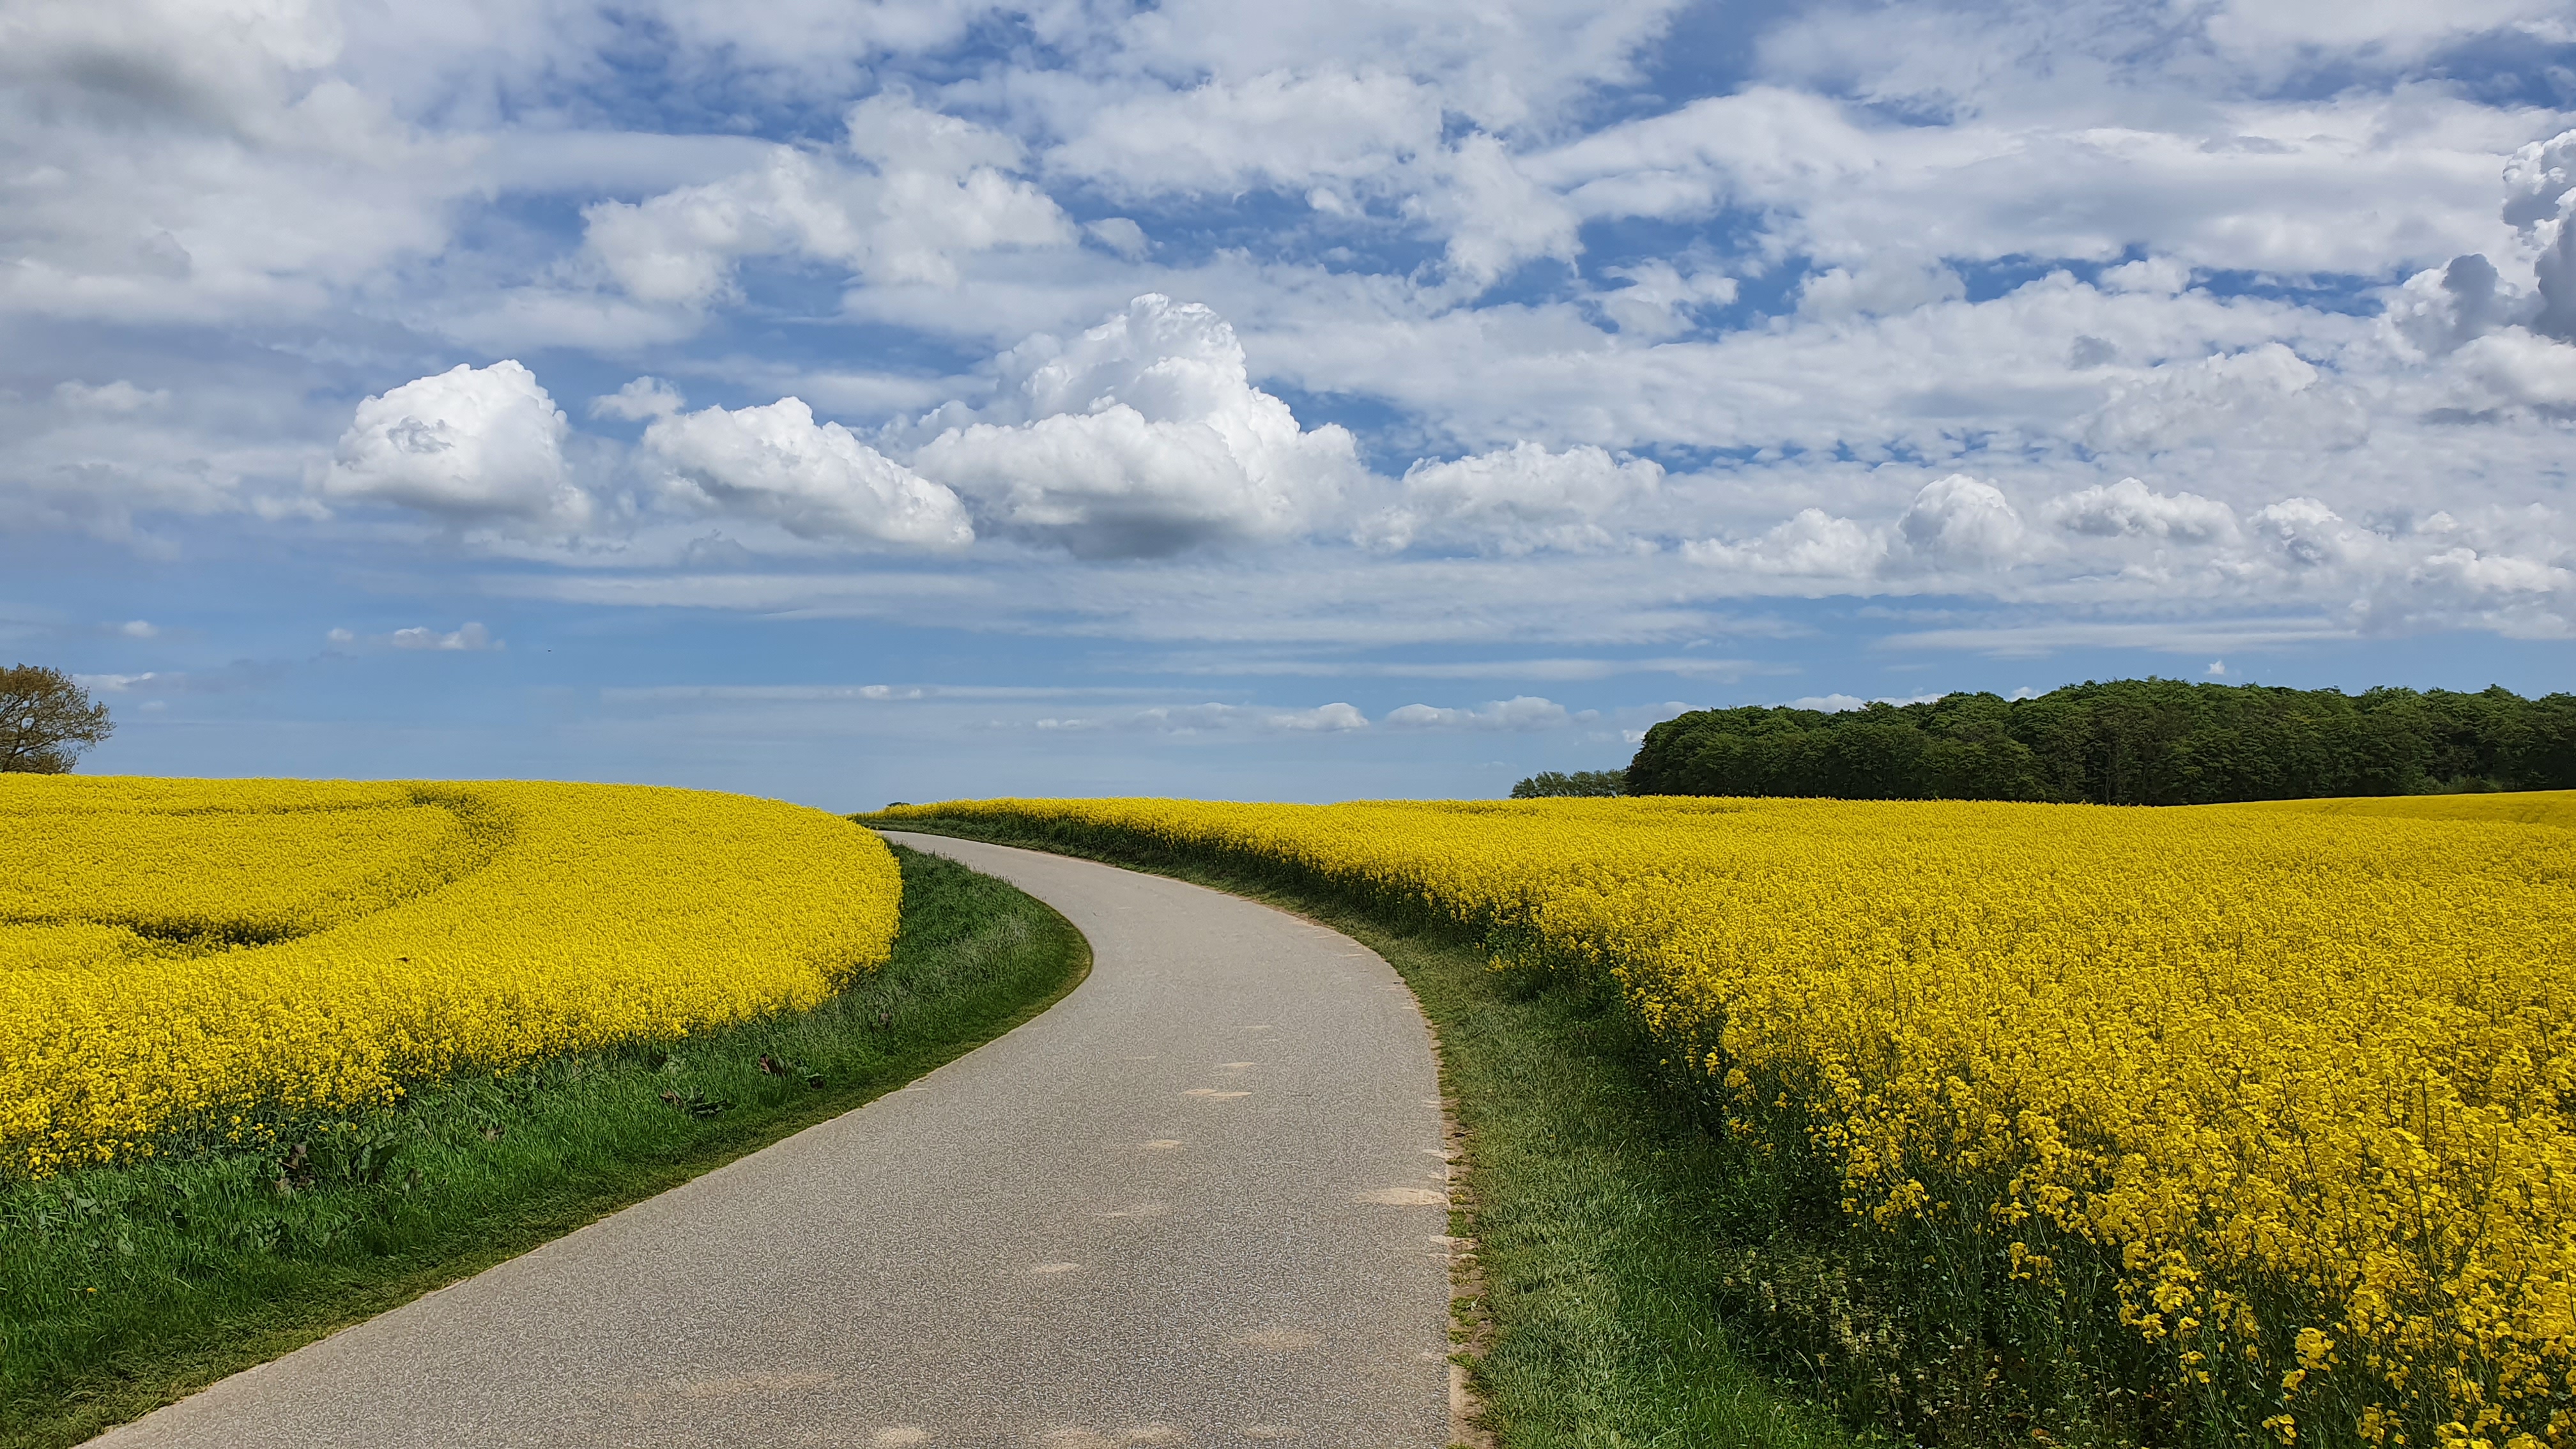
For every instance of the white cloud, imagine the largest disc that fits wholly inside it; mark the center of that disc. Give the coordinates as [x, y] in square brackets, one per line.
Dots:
[1964, 522]
[2304, 533]
[1514, 500]
[1811, 545]
[1282, 129]
[1325, 719]
[1501, 65]
[645, 397]
[2264, 397]
[327, 186]
[2251, 185]
[1187, 719]
[119, 396]
[2130, 509]
[481, 445]
[1142, 436]
[1846, 703]
[2268, 32]
[1880, 286]
[1496, 214]
[1121, 235]
[139, 629]
[2517, 368]
[467, 638]
[817, 481]
[2158, 276]
[197, 160]
[2540, 203]
[931, 190]
[2438, 309]
[1660, 299]
[1521, 712]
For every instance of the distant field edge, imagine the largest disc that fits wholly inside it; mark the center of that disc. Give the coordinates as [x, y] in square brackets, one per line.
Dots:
[1592, 1316]
[129, 1287]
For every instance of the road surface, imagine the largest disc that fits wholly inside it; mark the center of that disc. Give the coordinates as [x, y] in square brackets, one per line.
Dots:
[1198, 1202]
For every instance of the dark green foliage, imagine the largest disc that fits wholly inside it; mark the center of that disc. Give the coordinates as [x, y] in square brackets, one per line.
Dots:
[46, 720]
[1588, 784]
[122, 1288]
[2125, 742]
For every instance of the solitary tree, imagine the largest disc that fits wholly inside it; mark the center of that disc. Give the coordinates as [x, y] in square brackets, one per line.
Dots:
[46, 720]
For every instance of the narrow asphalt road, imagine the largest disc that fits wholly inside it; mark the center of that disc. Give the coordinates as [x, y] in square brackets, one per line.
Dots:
[1199, 1202]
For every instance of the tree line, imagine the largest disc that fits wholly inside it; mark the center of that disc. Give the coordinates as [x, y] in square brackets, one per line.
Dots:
[2121, 742]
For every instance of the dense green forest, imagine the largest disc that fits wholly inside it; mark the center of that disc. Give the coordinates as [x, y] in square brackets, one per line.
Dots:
[1555, 784]
[2125, 742]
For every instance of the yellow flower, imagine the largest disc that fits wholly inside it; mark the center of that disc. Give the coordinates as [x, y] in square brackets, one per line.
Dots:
[178, 953]
[2267, 1064]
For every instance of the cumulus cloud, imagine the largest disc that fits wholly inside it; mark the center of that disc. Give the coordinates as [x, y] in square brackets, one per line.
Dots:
[645, 397]
[1963, 522]
[2130, 509]
[2158, 434]
[927, 190]
[1813, 544]
[1521, 712]
[1953, 525]
[817, 481]
[1326, 719]
[1882, 285]
[2540, 204]
[2305, 534]
[2517, 368]
[471, 444]
[2263, 397]
[1514, 500]
[2439, 309]
[1142, 436]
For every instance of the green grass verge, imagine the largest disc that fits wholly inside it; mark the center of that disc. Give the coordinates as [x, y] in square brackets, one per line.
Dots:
[124, 1288]
[1609, 1229]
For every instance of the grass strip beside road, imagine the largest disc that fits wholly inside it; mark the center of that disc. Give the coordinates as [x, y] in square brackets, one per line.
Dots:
[1604, 1243]
[124, 1288]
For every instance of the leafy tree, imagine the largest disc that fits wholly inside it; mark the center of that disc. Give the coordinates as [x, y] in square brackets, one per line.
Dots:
[1549, 784]
[2124, 742]
[46, 720]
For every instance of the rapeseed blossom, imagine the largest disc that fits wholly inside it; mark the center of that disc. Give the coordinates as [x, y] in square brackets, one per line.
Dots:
[203, 955]
[2278, 1093]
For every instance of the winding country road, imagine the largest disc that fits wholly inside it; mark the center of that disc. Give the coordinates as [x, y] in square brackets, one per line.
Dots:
[1196, 1203]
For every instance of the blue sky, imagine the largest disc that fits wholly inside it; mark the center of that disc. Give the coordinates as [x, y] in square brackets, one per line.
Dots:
[912, 400]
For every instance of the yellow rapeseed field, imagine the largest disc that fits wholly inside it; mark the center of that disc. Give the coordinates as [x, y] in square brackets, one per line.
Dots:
[202, 955]
[2280, 1093]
